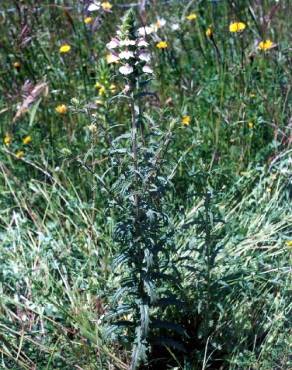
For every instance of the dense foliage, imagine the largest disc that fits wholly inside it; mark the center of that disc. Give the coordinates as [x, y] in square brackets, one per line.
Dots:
[145, 185]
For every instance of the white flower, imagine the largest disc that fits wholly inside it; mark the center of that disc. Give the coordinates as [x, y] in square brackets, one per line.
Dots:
[114, 43]
[127, 42]
[145, 56]
[126, 69]
[161, 22]
[147, 69]
[142, 43]
[94, 6]
[126, 54]
[146, 30]
[174, 26]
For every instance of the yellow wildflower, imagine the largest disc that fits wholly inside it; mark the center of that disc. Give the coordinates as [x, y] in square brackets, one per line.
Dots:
[113, 88]
[27, 139]
[186, 120]
[101, 88]
[289, 243]
[266, 45]
[16, 65]
[101, 91]
[64, 49]
[98, 85]
[88, 20]
[250, 125]
[106, 5]
[61, 109]
[237, 27]
[162, 45]
[7, 140]
[191, 17]
[19, 154]
[209, 32]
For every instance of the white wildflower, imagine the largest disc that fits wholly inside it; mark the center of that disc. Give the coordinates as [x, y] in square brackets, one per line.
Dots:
[142, 43]
[145, 56]
[147, 69]
[94, 6]
[146, 30]
[126, 54]
[127, 42]
[126, 69]
[175, 26]
[114, 43]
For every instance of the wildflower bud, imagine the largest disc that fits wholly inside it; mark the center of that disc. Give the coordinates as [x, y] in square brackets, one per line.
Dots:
[75, 101]
[27, 139]
[17, 65]
[209, 32]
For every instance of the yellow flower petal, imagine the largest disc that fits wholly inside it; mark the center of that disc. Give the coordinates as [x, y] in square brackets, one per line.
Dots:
[7, 140]
[27, 139]
[266, 45]
[65, 49]
[209, 32]
[191, 17]
[186, 120]
[88, 20]
[61, 109]
[16, 65]
[237, 27]
[162, 45]
[106, 5]
[19, 154]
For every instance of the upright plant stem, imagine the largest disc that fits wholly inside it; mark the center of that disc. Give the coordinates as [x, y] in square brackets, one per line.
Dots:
[134, 111]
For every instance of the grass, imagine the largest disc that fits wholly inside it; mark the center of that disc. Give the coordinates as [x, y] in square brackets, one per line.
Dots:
[218, 188]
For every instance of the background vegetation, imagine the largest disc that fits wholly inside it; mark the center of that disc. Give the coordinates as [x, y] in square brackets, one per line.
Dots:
[212, 176]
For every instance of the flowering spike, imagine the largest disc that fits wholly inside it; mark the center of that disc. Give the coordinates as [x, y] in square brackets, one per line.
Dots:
[128, 24]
